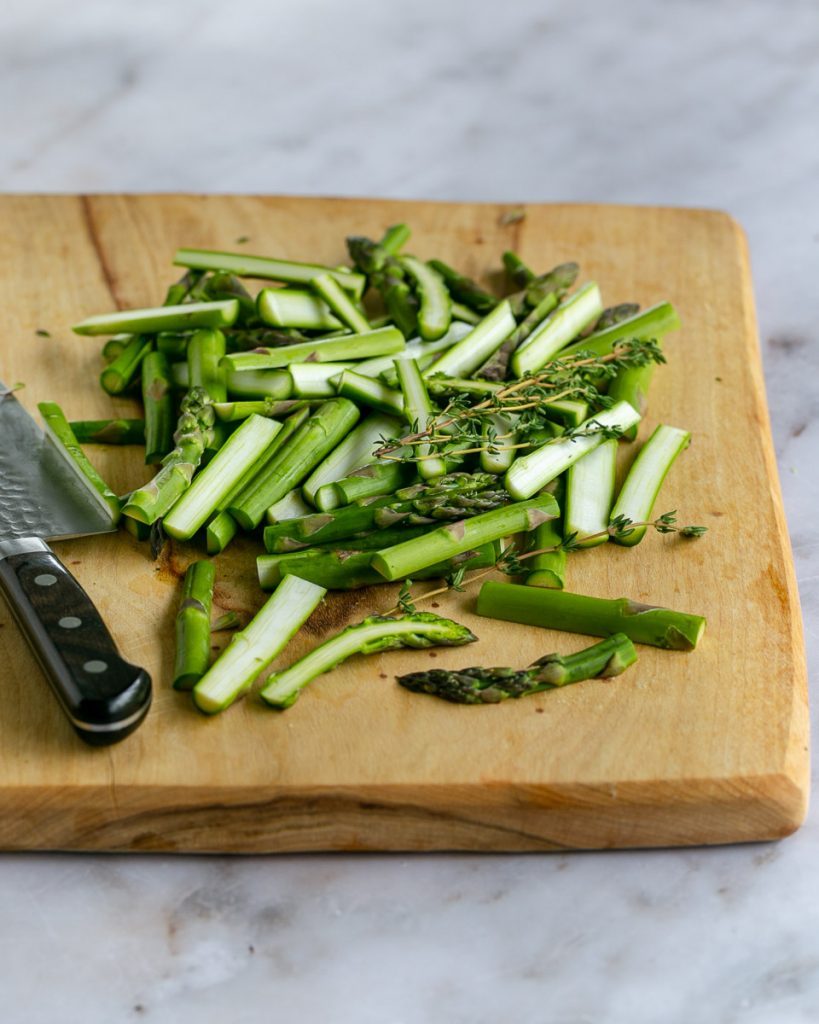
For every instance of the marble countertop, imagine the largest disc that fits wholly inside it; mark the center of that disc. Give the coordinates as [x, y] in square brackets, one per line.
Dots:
[681, 103]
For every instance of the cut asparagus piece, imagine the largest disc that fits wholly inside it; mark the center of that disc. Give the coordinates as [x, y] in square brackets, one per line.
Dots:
[499, 436]
[354, 452]
[109, 431]
[316, 380]
[235, 412]
[351, 570]
[264, 268]
[251, 650]
[554, 333]
[117, 376]
[291, 506]
[395, 238]
[193, 625]
[631, 385]
[642, 485]
[589, 495]
[376, 633]
[464, 314]
[367, 391]
[370, 481]
[115, 346]
[219, 532]
[205, 350]
[185, 317]
[548, 569]
[403, 560]
[295, 307]
[497, 366]
[241, 451]
[383, 341]
[477, 346]
[577, 613]
[415, 349]
[464, 289]
[310, 444]
[419, 414]
[609, 657]
[158, 402]
[652, 323]
[340, 303]
[435, 311]
[529, 473]
[60, 434]
[517, 271]
[372, 541]
[274, 384]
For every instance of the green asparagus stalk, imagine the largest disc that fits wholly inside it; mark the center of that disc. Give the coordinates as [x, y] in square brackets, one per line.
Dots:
[116, 377]
[395, 238]
[548, 569]
[291, 506]
[415, 349]
[287, 271]
[219, 532]
[242, 450]
[558, 330]
[314, 440]
[194, 433]
[477, 346]
[612, 315]
[65, 443]
[158, 402]
[205, 351]
[529, 473]
[374, 540]
[435, 311]
[609, 657]
[172, 344]
[223, 285]
[499, 436]
[235, 412]
[577, 613]
[403, 560]
[464, 289]
[517, 271]
[193, 625]
[185, 317]
[355, 451]
[642, 485]
[273, 384]
[419, 413]
[226, 621]
[340, 303]
[384, 341]
[370, 481]
[252, 649]
[109, 431]
[114, 347]
[367, 391]
[652, 323]
[181, 289]
[464, 314]
[497, 366]
[350, 569]
[589, 496]
[295, 307]
[375, 634]
[559, 279]
[316, 380]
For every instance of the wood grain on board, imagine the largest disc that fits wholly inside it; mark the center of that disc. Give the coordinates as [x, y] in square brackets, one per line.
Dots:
[706, 747]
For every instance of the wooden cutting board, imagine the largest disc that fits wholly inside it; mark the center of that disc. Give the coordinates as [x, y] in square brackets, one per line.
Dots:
[706, 747]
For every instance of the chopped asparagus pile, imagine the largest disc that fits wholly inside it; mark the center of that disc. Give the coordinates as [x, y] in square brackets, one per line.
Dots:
[382, 422]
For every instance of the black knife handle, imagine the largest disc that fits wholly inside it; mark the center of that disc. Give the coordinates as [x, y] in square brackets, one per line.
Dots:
[103, 696]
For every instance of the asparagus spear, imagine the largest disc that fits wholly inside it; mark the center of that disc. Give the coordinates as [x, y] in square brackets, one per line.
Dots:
[316, 380]
[158, 403]
[109, 431]
[376, 633]
[219, 532]
[401, 304]
[274, 384]
[194, 433]
[243, 449]
[185, 317]
[115, 346]
[517, 271]
[497, 366]
[252, 649]
[477, 346]
[652, 323]
[370, 481]
[403, 560]
[172, 344]
[116, 377]
[419, 413]
[577, 613]
[205, 350]
[383, 341]
[435, 312]
[498, 455]
[414, 349]
[529, 473]
[223, 285]
[631, 385]
[340, 303]
[291, 506]
[559, 279]
[356, 450]
[65, 443]
[548, 569]
[310, 444]
[557, 330]
[193, 625]
[349, 570]
[477, 685]
[464, 314]
[372, 393]
[181, 289]
[612, 315]
[295, 307]
[589, 495]
[464, 289]
[372, 541]
[288, 271]
[642, 485]
[234, 412]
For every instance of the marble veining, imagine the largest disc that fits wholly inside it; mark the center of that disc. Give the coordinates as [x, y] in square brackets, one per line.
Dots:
[681, 103]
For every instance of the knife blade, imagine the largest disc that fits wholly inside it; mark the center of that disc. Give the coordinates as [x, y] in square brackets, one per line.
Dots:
[41, 499]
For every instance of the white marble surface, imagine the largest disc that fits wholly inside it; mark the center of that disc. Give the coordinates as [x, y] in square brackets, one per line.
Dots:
[683, 102]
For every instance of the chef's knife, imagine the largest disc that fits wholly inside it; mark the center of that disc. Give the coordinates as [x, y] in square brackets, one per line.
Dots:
[42, 499]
